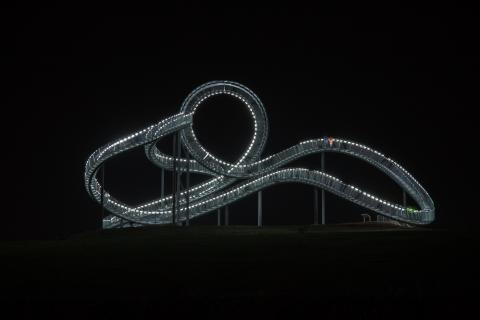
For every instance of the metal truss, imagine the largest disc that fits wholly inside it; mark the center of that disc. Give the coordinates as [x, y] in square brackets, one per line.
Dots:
[230, 182]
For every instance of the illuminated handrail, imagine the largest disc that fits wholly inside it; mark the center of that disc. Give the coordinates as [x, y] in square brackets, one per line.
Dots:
[250, 172]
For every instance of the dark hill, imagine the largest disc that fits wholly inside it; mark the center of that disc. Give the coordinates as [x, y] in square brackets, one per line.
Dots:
[281, 270]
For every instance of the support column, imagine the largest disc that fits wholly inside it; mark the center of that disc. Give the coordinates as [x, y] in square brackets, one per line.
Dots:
[219, 213]
[315, 205]
[259, 216]
[323, 191]
[187, 187]
[162, 190]
[102, 195]
[226, 216]
[404, 199]
[174, 175]
[179, 176]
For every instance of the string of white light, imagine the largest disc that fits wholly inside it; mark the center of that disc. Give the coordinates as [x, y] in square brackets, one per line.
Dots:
[251, 172]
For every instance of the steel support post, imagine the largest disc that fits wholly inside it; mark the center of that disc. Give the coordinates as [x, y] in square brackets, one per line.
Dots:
[226, 216]
[179, 177]
[187, 189]
[174, 175]
[162, 189]
[323, 191]
[315, 205]
[219, 213]
[259, 216]
[102, 196]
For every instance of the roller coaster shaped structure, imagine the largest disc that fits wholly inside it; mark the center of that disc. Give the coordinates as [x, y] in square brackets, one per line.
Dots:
[249, 172]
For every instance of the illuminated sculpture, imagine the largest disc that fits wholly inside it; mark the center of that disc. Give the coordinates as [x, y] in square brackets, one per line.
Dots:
[250, 172]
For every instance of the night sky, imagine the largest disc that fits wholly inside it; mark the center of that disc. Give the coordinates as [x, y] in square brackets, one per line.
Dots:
[399, 80]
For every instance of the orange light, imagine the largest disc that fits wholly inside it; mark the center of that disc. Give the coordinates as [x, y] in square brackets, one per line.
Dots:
[330, 141]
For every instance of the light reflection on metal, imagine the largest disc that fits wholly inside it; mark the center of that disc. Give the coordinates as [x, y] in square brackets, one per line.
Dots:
[230, 182]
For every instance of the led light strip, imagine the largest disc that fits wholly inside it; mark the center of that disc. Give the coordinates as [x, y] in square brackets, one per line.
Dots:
[250, 172]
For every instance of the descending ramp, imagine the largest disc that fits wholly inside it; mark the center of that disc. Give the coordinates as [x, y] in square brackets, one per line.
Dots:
[230, 182]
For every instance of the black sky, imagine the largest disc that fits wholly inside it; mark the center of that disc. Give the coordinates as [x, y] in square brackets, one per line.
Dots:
[400, 80]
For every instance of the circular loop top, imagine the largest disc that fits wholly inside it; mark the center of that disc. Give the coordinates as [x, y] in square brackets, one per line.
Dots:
[254, 106]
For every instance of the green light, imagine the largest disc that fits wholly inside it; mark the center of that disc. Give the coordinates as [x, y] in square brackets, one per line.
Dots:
[411, 210]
